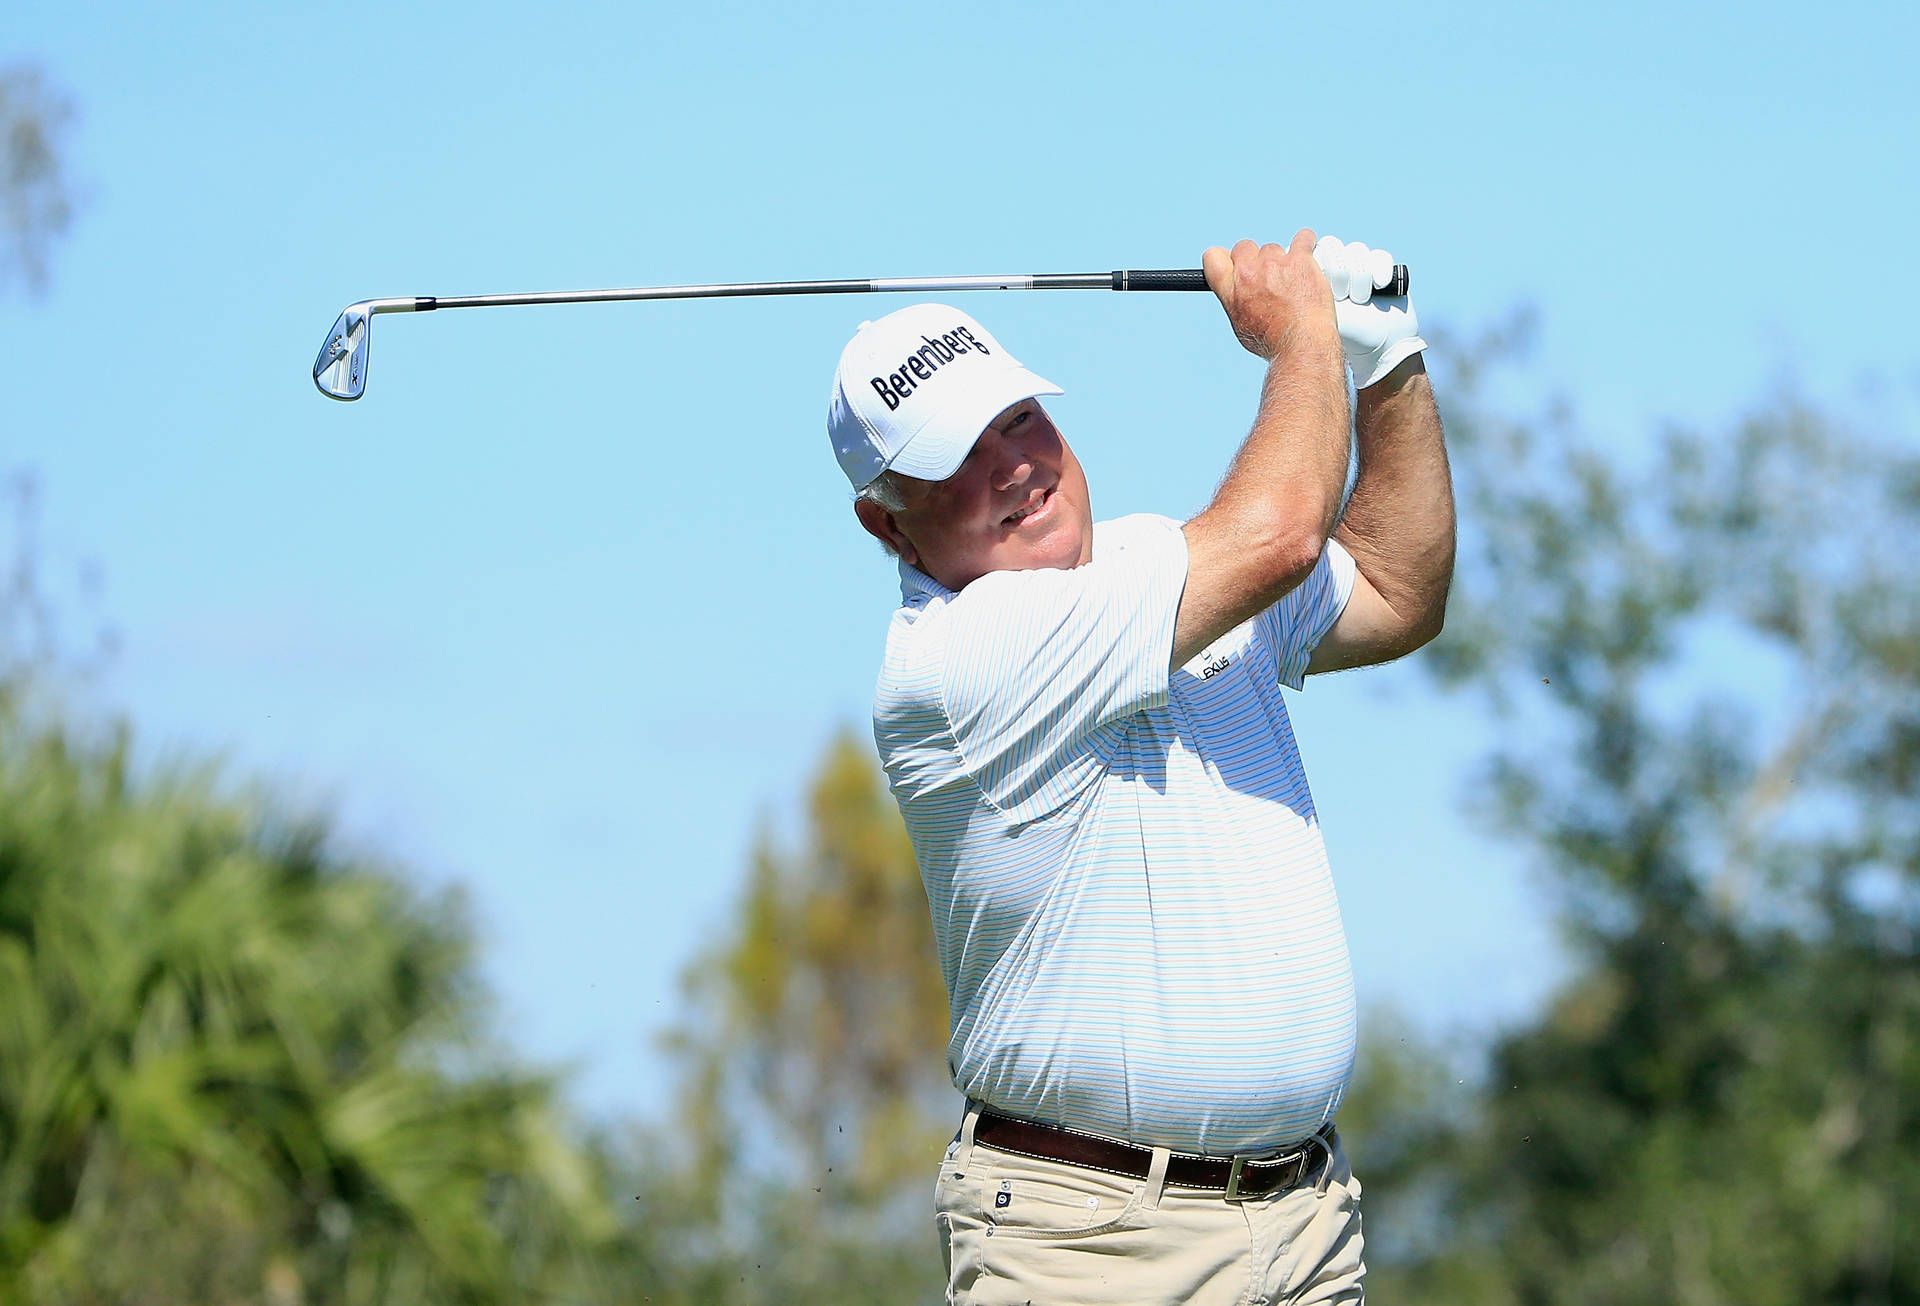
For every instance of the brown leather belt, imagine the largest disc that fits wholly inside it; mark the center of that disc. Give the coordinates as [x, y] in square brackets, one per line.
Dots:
[1238, 1177]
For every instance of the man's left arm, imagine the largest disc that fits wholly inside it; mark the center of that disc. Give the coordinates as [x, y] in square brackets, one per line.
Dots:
[1398, 526]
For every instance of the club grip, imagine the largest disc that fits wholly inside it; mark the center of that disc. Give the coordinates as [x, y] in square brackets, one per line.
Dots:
[1195, 279]
[1161, 279]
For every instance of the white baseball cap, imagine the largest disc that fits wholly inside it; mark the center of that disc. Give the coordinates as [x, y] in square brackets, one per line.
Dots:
[915, 389]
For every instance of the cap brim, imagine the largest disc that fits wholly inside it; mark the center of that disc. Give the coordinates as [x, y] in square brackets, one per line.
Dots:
[937, 449]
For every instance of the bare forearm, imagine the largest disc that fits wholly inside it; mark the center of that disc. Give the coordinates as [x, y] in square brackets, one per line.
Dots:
[1293, 465]
[1271, 516]
[1399, 522]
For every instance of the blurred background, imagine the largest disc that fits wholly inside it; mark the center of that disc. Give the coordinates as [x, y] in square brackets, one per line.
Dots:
[442, 857]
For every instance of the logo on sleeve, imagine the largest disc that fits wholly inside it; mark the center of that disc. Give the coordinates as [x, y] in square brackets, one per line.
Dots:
[1222, 654]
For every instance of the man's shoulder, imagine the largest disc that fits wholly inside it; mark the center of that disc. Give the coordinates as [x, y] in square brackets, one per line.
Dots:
[1131, 530]
[929, 614]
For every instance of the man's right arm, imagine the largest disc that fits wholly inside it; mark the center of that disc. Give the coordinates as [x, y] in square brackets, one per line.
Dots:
[1269, 521]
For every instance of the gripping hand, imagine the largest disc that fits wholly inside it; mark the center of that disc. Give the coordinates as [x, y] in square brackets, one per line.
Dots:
[1377, 334]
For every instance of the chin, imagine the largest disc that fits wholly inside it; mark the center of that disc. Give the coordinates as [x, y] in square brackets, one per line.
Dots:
[1063, 555]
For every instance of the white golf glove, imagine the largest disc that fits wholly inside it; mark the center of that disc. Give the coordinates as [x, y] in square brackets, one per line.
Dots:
[1376, 334]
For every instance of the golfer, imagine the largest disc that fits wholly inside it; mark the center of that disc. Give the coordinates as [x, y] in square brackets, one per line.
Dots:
[1152, 1004]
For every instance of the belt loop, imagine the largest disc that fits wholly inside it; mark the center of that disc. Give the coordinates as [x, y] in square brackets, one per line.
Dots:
[1326, 1140]
[964, 1156]
[1157, 1177]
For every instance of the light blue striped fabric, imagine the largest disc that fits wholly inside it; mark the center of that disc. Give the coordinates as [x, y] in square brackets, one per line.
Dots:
[1130, 896]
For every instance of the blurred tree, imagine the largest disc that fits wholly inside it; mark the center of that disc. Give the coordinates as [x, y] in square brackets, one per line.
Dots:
[36, 197]
[39, 651]
[1705, 663]
[815, 1101]
[237, 1067]
[36, 206]
[1702, 660]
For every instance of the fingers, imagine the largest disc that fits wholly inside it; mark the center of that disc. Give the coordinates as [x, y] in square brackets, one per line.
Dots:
[1274, 294]
[1270, 290]
[1259, 270]
[1380, 268]
[1246, 261]
[1355, 272]
[1218, 265]
[1331, 255]
[1265, 268]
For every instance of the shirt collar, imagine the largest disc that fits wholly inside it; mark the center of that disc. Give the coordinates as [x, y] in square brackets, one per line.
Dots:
[914, 582]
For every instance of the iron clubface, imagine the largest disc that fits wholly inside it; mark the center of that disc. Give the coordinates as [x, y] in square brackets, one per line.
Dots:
[341, 368]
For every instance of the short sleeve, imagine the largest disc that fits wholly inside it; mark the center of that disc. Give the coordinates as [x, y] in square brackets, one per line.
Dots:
[1036, 661]
[1294, 627]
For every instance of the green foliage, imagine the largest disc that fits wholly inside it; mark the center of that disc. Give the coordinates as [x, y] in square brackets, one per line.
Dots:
[1703, 667]
[815, 1100]
[36, 199]
[237, 1067]
[1707, 667]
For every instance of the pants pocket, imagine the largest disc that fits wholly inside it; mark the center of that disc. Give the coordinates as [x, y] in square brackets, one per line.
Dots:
[1023, 1198]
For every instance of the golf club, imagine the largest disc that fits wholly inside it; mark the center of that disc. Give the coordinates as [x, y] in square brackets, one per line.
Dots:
[340, 371]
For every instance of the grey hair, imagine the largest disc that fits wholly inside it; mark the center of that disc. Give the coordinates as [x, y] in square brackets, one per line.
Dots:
[887, 490]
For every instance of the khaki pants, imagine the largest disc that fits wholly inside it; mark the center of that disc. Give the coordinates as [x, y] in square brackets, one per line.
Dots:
[1017, 1231]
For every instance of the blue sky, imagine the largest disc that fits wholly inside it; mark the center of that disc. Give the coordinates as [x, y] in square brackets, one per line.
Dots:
[573, 597]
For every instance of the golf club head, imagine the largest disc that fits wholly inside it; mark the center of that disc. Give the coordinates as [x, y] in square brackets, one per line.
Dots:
[341, 369]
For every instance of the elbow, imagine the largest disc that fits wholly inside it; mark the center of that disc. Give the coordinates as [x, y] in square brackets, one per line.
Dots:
[1283, 556]
[1426, 625]
[1427, 629]
[1425, 603]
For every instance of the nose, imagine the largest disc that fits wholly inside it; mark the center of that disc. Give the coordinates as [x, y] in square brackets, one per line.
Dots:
[1014, 474]
[1012, 465]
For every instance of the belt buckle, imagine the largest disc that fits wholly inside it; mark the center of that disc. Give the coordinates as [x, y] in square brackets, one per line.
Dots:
[1299, 1160]
[1233, 1180]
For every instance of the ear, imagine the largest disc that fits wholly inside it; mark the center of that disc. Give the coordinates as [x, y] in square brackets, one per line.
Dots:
[885, 527]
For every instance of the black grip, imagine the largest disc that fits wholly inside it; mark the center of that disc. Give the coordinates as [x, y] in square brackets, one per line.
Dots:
[1161, 279]
[1195, 279]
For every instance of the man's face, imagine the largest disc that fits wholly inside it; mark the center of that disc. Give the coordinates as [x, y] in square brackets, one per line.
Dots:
[1018, 503]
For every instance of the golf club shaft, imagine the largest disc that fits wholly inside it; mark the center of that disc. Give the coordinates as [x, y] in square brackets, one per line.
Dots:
[340, 371]
[1143, 279]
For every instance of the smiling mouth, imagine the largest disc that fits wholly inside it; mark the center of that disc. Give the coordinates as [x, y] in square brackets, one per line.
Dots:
[1035, 502]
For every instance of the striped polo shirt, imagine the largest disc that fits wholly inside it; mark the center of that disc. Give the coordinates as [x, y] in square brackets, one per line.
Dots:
[1130, 896]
